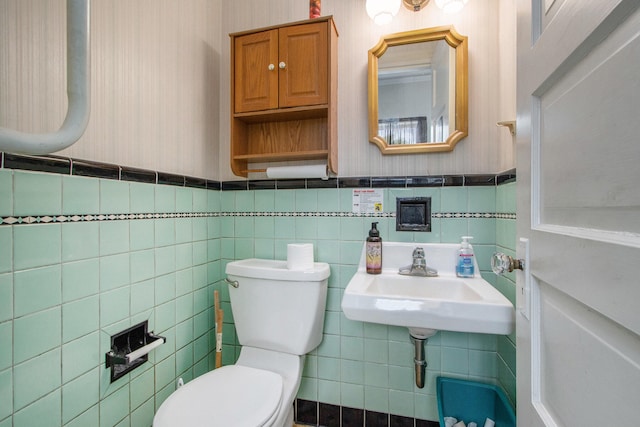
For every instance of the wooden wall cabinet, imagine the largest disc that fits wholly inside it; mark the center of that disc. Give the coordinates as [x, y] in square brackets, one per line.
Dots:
[284, 84]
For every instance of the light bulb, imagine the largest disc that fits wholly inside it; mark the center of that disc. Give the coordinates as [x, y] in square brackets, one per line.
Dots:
[382, 11]
[451, 6]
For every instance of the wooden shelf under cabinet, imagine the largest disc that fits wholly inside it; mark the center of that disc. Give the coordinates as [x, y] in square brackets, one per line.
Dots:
[299, 120]
[282, 140]
[284, 114]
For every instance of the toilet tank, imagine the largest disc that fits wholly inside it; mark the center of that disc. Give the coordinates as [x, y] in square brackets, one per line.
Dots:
[276, 308]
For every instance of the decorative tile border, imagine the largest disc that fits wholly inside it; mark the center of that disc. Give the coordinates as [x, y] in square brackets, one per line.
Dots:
[51, 219]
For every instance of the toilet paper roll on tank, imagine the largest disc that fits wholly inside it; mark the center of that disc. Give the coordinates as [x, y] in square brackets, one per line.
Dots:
[306, 171]
[300, 256]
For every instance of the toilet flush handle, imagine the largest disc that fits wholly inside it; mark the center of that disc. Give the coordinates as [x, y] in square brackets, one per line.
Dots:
[233, 283]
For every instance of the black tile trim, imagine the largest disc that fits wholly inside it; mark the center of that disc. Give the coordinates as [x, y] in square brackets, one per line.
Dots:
[68, 166]
[269, 184]
[138, 175]
[453, 180]
[388, 182]
[306, 411]
[214, 185]
[171, 179]
[329, 415]
[313, 413]
[291, 184]
[322, 183]
[352, 417]
[50, 164]
[95, 169]
[506, 177]
[376, 419]
[234, 185]
[478, 180]
[400, 421]
[195, 182]
[354, 182]
[425, 181]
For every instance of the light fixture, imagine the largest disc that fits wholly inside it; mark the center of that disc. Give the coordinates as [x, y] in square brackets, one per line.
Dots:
[451, 6]
[415, 5]
[382, 11]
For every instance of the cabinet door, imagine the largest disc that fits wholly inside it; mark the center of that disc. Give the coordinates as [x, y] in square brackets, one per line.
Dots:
[304, 52]
[256, 71]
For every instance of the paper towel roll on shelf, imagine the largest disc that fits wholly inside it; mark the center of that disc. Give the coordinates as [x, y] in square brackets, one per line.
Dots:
[300, 256]
[306, 171]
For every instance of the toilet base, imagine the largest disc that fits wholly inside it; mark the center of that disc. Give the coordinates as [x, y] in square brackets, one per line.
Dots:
[261, 379]
[288, 366]
[288, 421]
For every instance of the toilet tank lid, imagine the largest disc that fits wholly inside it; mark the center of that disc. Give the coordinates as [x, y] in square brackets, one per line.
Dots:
[276, 270]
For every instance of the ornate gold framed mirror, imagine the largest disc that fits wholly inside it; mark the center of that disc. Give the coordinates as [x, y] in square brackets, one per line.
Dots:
[418, 91]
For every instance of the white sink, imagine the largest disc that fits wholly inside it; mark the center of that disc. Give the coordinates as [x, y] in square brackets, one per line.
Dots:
[426, 304]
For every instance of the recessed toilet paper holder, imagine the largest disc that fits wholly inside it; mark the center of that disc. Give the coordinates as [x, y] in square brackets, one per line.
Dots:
[130, 349]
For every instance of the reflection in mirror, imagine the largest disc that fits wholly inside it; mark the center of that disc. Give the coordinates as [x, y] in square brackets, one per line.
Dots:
[413, 92]
[418, 91]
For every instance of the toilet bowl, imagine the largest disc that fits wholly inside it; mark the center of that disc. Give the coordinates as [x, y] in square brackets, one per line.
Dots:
[200, 404]
[279, 316]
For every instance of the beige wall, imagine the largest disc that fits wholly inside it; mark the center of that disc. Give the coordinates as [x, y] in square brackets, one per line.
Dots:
[160, 73]
[488, 148]
[154, 80]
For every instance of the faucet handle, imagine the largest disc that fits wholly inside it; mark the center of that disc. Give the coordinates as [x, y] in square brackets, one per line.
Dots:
[418, 252]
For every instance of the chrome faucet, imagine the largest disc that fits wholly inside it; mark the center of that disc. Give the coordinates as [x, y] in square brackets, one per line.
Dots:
[419, 266]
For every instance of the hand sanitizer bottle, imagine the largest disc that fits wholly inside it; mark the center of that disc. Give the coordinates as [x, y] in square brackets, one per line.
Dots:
[464, 262]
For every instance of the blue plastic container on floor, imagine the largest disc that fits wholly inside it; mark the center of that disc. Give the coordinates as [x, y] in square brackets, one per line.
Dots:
[472, 401]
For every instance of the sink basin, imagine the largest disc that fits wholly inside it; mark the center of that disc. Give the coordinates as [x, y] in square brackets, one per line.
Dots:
[426, 304]
[444, 288]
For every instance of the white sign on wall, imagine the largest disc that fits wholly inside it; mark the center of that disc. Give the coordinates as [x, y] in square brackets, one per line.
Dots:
[367, 200]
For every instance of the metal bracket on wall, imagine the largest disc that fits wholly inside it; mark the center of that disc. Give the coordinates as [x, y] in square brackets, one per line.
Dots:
[511, 124]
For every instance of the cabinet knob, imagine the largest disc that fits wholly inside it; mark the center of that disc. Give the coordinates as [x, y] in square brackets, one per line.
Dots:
[282, 65]
[272, 67]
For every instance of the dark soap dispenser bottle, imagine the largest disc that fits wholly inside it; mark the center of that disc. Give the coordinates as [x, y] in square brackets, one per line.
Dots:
[374, 250]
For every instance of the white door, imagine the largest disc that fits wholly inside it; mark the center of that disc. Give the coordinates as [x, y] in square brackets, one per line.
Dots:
[578, 161]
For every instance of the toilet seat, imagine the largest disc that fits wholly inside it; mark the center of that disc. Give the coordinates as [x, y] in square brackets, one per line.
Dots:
[233, 395]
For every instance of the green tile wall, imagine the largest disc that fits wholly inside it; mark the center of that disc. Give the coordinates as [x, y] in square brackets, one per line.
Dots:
[363, 365]
[66, 287]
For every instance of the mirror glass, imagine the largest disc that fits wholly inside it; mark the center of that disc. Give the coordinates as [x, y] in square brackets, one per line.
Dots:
[418, 91]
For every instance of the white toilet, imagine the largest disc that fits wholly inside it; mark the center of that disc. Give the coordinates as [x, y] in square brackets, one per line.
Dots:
[279, 316]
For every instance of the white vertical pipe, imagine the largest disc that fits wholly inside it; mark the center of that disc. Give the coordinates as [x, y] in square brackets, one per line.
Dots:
[78, 92]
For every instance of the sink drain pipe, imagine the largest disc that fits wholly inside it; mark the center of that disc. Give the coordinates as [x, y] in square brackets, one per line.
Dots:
[419, 359]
